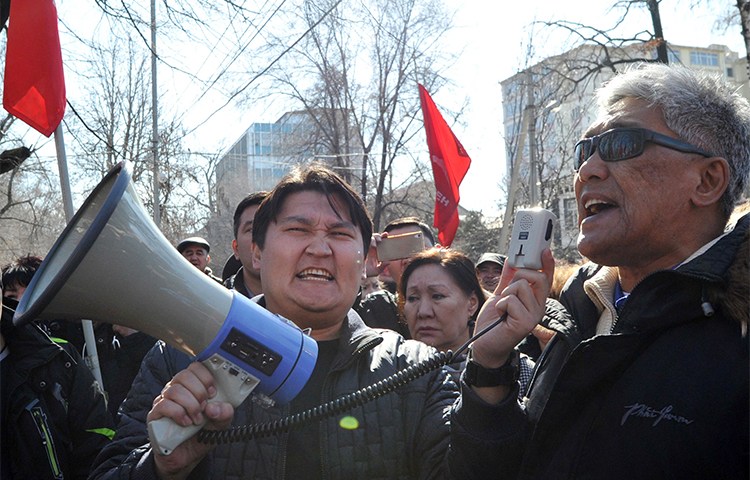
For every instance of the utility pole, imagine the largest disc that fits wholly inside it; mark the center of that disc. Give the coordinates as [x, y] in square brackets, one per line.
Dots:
[531, 108]
[155, 118]
[514, 172]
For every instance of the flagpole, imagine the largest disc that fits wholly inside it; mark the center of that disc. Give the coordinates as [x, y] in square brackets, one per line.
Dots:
[92, 357]
[155, 119]
[62, 166]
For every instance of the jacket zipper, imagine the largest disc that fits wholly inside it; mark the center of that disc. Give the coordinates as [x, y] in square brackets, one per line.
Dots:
[283, 445]
[321, 432]
[615, 321]
[325, 393]
[327, 390]
[40, 420]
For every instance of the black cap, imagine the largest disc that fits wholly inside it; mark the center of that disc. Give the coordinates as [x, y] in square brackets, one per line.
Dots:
[492, 257]
[193, 241]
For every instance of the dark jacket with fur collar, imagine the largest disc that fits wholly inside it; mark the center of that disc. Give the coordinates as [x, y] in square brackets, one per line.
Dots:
[664, 396]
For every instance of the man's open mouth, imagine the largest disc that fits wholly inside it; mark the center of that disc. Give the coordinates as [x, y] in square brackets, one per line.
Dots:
[597, 206]
[315, 274]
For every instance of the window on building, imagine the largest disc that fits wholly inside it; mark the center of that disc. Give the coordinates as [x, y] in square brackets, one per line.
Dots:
[571, 212]
[704, 58]
[673, 56]
[509, 110]
[730, 72]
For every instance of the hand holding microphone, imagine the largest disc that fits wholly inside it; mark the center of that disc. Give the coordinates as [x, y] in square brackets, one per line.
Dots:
[521, 294]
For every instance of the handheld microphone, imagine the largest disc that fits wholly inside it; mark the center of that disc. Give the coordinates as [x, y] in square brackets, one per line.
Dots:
[532, 233]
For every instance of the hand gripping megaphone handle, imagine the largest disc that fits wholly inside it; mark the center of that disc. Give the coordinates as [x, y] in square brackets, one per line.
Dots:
[233, 385]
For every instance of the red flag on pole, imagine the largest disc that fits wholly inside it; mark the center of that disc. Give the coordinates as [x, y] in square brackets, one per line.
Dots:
[34, 88]
[450, 162]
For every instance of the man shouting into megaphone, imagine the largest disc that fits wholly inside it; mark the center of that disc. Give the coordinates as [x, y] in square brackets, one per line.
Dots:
[311, 237]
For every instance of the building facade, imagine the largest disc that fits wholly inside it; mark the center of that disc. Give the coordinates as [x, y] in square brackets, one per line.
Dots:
[253, 163]
[265, 152]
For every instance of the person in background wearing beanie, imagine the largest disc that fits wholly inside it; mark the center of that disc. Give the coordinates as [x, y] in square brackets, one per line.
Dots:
[489, 268]
[195, 250]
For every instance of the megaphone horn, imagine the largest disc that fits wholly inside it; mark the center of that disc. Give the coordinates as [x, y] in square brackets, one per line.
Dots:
[112, 264]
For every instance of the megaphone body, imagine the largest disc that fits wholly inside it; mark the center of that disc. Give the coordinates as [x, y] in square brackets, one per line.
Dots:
[112, 264]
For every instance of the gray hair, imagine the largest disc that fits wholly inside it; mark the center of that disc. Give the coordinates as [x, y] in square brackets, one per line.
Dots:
[700, 107]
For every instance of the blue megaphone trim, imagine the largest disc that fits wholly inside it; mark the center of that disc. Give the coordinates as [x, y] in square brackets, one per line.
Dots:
[266, 346]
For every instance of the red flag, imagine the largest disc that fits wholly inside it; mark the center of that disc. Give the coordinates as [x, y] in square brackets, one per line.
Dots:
[34, 88]
[450, 162]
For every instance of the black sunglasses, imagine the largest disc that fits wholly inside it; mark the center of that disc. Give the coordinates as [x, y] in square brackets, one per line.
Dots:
[624, 143]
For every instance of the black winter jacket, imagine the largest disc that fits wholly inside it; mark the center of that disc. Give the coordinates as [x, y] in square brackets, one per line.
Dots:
[55, 420]
[380, 310]
[664, 396]
[401, 435]
[237, 282]
[119, 356]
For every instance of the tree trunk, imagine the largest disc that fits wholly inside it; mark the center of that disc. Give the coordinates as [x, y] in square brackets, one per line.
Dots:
[744, 8]
[661, 46]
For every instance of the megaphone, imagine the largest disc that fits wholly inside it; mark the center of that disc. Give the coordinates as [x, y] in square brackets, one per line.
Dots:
[112, 264]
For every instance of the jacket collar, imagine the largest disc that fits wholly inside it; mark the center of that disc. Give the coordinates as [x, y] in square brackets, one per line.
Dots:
[713, 265]
[356, 337]
[717, 275]
[732, 292]
[28, 347]
[237, 282]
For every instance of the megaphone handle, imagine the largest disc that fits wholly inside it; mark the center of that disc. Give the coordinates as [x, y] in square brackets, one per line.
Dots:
[233, 385]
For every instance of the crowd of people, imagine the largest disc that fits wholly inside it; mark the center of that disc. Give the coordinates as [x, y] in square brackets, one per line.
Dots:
[633, 364]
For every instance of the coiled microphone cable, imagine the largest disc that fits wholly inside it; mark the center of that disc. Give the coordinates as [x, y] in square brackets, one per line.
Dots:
[340, 404]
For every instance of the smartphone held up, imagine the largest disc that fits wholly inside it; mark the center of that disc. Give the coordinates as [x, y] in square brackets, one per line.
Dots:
[396, 247]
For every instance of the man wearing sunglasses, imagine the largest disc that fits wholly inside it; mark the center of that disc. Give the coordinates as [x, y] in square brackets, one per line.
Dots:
[647, 375]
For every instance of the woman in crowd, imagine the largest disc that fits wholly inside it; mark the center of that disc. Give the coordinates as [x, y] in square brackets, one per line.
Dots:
[440, 297]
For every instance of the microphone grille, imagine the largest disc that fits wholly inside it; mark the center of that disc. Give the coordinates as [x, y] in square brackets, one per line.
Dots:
[526, 222]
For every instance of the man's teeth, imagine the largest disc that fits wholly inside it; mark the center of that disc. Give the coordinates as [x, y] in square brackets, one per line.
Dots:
[315, 274]
[595, 206]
